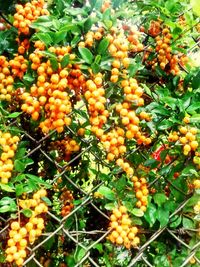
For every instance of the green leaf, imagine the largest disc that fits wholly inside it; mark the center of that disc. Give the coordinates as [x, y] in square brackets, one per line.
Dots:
[49, 243]
[177, 219]
[164, 125]
[110, 206]
[14, 115]
[196, 80]
[59, 36]
[21, 164]
[43, 23]
[5, 208]
[49, 54]
[120, 184]
[159, 199]
[108, 23]
[6, 187]
[5, 201]
[152, 163]
[193, 200]
[188, 223]
[19, 190]
[45, 38]
[99, 247]
[86, 55]
[65, 61]
[189, 171]
[79, 254]
[170, 205]
[95, 67]
[193, 107]
[160, 72]
[102, 47]
[158, 109]
[97, 59]
[28, 79]
[31, 185]
[136, 212]
[88, 24]
[47, 201]
[195, 118]
[54, 64]
[27, 212]
[75, 40]
[19, 178]
[150, 214]
[169, 101]
[38, 180]
[106, 192]
[162, 216]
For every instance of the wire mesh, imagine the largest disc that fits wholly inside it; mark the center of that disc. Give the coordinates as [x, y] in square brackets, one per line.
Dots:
[75, 235]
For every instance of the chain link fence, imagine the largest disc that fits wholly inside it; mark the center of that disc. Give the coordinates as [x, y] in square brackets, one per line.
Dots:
[95, 234]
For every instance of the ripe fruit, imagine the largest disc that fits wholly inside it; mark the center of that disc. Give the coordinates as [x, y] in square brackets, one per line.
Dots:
[20, 235]
[8, 145]
[27, 14]
[122, 233]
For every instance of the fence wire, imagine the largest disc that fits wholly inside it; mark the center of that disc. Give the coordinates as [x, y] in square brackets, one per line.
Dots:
[75, 236]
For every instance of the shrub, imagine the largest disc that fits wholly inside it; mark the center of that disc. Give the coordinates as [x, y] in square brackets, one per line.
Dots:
[99, 137]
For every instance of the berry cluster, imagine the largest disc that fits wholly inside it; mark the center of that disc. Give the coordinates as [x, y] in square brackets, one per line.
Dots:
[131, 123]
[31, 105]
[95, 96]
[65, 148]
[23, 46]
[18, 66]
[187, 137]
[67, 202]
[49, 93]
[118, 48]
[133, 38]
[76, 81]
[141, 191]
[140, 184]
[125, 167]
[91, 37]
[132, 92]
[154, 28]
[163, 48]
[6, 80]
[122, 233]
[23, 232]
[27, 14]
[165, 59]
[114, 143]
[8, 146]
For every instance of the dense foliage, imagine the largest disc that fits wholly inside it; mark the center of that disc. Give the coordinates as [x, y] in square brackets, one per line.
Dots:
[99, 133]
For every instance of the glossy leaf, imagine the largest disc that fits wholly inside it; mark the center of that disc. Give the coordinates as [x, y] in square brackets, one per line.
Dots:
[86, 55]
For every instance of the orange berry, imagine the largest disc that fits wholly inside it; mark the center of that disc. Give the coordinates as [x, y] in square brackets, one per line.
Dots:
[186, 119]
[119, 240]
[15, 226]
[194, 145]
[117, 213]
